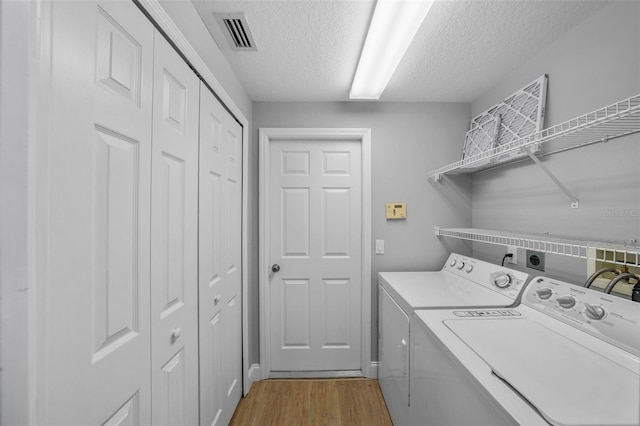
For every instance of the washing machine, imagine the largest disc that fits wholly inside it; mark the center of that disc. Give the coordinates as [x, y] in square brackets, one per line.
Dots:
[463, 282]
[566, 356]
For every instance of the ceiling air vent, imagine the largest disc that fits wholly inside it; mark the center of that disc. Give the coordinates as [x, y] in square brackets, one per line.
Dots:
[236, 29]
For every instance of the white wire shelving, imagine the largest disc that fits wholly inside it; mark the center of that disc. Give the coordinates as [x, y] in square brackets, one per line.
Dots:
[617, 252]
[613, 121]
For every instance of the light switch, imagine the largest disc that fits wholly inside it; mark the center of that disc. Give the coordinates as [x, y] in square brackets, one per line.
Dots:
[396, 211]
[379, 246]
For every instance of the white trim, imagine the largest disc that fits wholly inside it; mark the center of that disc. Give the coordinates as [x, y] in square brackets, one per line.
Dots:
[160, 16]
[246, 378]
[41, 111]
[16, 21]
[38, 90]
[363, 135]
[374, 369]
[253, 376]
[315, 374]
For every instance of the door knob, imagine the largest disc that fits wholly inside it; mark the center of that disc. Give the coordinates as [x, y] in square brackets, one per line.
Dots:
[176, 333]
[275, 267]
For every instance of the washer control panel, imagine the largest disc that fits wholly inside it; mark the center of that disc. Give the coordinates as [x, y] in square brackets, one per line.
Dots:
[487, 313]
[605, 316]
[494, 277]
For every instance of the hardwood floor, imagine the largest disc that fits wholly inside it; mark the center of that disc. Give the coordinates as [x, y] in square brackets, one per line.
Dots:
[334, 402]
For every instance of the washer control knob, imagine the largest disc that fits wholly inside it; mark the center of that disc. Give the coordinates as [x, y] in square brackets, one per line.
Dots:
[468, 269]
[594, 312]
[460, 265]
[452, 262]
[566, 302]
[502, 280]
[544, 293]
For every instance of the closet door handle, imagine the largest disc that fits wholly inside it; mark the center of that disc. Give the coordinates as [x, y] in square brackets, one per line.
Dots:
[176, 333]
[275, 267]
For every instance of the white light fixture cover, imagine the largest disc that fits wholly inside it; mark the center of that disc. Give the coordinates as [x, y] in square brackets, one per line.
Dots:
[392, 28]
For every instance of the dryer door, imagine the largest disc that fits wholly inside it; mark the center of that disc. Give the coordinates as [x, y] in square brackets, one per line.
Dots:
[394, 356]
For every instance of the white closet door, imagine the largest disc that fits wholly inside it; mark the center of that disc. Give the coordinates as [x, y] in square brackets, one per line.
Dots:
[99, 158]
[220, 261]
[174, 239]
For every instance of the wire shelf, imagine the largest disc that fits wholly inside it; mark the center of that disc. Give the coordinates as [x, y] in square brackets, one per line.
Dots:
[616, 252]
[613, 121]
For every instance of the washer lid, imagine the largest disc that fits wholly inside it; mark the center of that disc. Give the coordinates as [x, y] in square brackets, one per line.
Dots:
[424, 290]
[568, 383]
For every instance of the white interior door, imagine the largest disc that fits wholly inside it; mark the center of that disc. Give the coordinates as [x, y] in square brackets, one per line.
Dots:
[97, 281]
[174, 239]
[220, 214]
[315, 230]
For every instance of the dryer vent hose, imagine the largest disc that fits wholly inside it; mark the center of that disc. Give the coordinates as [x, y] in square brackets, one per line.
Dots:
[625, 276]
[596, 274]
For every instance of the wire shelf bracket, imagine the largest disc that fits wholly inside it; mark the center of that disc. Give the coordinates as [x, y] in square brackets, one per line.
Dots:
[574, 201]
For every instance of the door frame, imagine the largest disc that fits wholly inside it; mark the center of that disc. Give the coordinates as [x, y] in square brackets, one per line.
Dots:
[266, 135]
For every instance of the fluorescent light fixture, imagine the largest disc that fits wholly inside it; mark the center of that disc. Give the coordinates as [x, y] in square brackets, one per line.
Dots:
[393, 26]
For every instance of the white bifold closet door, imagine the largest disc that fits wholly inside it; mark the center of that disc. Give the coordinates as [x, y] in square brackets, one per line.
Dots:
[174, 239]
[120, 298]
[96, 290]
[220, 261]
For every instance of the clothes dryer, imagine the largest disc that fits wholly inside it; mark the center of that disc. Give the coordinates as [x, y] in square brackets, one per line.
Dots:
[463, 282]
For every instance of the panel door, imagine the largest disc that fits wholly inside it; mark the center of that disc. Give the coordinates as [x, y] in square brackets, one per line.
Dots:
[220, 213]
[174, 239]
[315, 238]
[99, 158]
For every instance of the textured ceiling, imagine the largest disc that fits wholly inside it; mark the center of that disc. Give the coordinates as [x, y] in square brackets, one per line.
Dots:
[308, 49]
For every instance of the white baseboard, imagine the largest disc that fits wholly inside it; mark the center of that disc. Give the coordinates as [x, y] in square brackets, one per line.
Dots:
[373, 370]
[253, 376]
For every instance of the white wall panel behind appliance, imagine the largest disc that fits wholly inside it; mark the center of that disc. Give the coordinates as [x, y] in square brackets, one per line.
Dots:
[220, 237]
[174, 239]
[97, 294]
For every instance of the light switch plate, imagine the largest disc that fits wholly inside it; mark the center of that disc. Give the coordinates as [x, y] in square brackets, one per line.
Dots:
[379, 246]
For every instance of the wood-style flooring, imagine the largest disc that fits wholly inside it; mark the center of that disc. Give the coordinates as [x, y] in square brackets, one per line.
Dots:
[310, 402]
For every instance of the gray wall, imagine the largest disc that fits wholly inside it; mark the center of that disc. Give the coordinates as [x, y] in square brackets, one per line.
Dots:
[596, 64]
[408, 139]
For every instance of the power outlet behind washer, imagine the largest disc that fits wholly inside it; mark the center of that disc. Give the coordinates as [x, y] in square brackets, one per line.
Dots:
[535, 260]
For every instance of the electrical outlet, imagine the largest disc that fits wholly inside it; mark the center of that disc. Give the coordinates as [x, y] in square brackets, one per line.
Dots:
[535, 260]
[514, 258]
